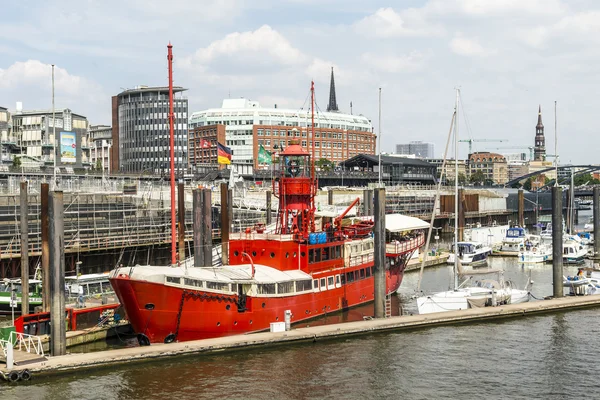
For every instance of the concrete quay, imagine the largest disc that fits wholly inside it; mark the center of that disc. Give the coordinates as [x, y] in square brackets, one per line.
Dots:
[430, 261]
[71, 362]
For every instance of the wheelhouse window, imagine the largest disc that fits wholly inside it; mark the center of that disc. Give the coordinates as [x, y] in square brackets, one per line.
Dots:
[302, 286]
[330, 282]
[193, 282]
[285, 287]
[322, 282]
[266, 288]
[174, 279]
[217, 286]
[315, 283]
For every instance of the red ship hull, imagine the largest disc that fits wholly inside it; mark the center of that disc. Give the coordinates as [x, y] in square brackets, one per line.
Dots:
[205, 315]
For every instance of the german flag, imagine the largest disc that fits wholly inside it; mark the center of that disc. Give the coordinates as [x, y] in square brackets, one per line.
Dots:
[223, 154]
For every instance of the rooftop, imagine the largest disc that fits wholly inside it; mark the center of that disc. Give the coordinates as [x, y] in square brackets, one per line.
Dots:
[144, 89]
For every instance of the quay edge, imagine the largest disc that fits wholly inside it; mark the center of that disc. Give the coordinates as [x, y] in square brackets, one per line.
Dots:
[70, 362]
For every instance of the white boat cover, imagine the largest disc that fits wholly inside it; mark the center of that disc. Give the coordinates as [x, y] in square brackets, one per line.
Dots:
[399, 223]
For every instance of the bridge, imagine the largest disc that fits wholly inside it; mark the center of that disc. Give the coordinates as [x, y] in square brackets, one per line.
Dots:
[585, 169]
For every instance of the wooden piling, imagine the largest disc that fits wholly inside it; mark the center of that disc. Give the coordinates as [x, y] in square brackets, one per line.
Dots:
[24, 220]
[379, 257]
[521, 208]
[197, 227]
[181, 220]
[58, 341]
[557, 242]
[225, 223]
[596, 221]
[44, 193]
[207, 227]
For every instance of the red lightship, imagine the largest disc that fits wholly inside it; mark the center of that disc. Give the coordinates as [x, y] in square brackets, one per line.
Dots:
[301, 265]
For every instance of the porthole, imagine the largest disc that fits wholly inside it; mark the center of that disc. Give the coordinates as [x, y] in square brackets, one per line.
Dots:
[272, 255]
[227, 307]
[295, 255]
[276, 318]
[250, 322]
[254, 254]
[235, 322]
[218, 324]
[287, 255]
[302, 254]
[263, 305]
[236, 253]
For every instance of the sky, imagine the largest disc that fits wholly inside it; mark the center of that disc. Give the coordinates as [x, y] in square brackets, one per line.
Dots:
[506, 56]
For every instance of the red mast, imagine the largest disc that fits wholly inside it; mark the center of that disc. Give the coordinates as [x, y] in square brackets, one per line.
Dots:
[312, 124]
[172, 155]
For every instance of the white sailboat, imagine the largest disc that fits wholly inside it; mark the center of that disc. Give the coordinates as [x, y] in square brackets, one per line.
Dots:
[469, 294]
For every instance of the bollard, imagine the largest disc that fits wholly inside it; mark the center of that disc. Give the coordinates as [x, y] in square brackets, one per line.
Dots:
[10, 355]
[269, 215]
[288, 319]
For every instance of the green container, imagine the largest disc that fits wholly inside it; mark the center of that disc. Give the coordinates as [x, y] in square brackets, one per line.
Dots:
[5, 333]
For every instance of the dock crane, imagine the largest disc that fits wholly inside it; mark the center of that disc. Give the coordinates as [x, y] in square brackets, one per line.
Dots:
[470, 141]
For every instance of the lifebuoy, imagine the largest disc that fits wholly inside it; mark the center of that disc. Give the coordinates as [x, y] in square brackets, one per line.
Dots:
[25, 375]
[13, 376]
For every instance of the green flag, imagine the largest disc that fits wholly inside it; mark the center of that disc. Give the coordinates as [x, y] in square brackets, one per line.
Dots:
[264, 157]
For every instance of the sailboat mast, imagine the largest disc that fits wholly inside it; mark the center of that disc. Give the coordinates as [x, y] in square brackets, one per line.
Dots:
[456, 199]
[172, 156]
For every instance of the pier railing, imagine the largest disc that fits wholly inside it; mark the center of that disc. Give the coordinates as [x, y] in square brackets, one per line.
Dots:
[27, 342]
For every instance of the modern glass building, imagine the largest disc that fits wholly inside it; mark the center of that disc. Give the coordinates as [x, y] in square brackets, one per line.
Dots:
[140, 130]
[419, 149]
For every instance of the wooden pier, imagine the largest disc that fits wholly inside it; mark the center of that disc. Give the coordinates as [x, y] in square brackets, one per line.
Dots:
[71, 362]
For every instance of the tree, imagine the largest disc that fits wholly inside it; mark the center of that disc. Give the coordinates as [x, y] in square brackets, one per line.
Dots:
[16, 162]
[99, 165]
[462, 179]
[324, 164]
[478, 177]
[527, 184]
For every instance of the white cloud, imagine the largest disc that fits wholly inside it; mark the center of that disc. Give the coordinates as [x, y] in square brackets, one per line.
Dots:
[31, 82]
[395, 63]
[264, 45]
[467, 46]
[387, 23]
[496, 7]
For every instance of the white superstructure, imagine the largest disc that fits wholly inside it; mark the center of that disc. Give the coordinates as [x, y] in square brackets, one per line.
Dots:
[242, 117]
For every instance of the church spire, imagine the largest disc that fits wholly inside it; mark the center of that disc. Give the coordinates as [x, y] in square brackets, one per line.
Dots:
[332, 106]
[540, 141]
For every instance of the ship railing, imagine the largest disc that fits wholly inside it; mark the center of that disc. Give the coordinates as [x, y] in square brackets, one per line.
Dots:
[260, 236]
[401, 247]
[27, 342]
[361, 259]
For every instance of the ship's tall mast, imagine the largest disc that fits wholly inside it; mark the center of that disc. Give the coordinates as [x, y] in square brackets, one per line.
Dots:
[312, 158]
[172, 156]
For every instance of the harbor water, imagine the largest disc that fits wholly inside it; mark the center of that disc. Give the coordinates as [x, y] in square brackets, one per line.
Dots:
[546, 356]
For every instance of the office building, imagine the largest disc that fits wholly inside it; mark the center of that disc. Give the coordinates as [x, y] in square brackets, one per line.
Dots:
[418, 149]
[140, 130]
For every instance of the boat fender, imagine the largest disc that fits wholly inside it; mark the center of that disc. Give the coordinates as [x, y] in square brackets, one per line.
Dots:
[13, 376]
[25, 375]
[170, 338]
[143, 340]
